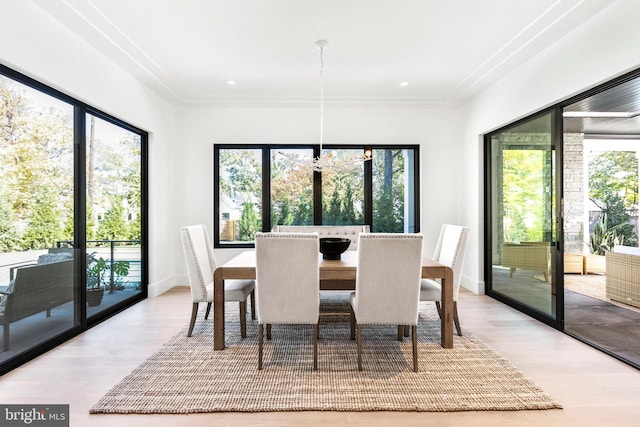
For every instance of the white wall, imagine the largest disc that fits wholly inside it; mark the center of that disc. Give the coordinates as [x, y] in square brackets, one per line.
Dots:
[200, 128]
[38, 46]
[181, 142]
[606, 46]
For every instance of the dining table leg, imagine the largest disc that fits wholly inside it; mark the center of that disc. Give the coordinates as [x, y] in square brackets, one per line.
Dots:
[218, 310]
[447, 309]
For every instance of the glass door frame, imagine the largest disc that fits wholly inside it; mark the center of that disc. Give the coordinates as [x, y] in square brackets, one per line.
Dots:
[557, 267]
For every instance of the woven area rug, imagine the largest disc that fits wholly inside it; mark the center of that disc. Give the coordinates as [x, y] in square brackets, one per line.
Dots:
[187, 376]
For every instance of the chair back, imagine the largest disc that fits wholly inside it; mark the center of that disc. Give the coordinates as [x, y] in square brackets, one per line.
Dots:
[388, 278]
[450, 251]
[198, 254]
[350, 232]
[287, 278]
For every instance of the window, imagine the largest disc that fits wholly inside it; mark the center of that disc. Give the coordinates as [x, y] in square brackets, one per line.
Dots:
[239, 200]
[254, 190]
[394, 192]
[343, 193]
[291, 191]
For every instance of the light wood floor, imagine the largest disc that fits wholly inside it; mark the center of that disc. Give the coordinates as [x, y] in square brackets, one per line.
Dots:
[595, 389]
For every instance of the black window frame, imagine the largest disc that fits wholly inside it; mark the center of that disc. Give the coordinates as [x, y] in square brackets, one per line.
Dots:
[317, 183]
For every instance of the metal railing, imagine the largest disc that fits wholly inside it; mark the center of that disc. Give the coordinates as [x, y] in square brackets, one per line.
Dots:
[134, 263]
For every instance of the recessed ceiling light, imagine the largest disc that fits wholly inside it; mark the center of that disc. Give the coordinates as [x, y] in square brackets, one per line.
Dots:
[404, 83]
[231, 82]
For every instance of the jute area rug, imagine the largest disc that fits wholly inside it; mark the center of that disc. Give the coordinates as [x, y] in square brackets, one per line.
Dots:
[187, 376]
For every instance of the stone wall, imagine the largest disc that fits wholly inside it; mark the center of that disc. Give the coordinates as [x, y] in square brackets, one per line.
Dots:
[574, 188]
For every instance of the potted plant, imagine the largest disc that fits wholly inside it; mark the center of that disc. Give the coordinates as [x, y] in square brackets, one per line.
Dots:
[601, 240]
[98, 274]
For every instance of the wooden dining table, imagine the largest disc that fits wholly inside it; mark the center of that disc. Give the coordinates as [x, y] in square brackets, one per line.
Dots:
[334, 275]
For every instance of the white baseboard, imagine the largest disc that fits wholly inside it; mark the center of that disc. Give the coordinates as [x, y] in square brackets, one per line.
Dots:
[158, 288]
[475, 286]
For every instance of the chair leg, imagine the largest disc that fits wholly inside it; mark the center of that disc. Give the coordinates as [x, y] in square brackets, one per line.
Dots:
[315, 346]
[455, 318]
[352, 318]
[359, 347]
[206, 313]
[243, 319]
[268, 331]
[406, 330]
[400, 332]
[414, 333]
[253, 304]
[194, 314]
[260, 339]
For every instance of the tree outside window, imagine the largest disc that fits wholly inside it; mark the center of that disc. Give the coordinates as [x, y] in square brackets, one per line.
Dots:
[245, 204]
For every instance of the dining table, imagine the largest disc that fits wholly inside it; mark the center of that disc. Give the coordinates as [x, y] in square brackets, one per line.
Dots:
[334, 275]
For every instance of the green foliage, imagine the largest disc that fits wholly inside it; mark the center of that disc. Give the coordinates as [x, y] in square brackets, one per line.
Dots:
[334, 213]
[613, 172]
[242, 172]
[285, 217]
[9, 238]
[36, 164]
[249, 224]
[386, 221]
[292, 190]
[613, 187]
[90, 223]
[388, 205]
[99, 268]
[603, 238]
[526, 213]
[44, 228]
[134, 229]
[304, 211]
[113, 226]
[348, 215]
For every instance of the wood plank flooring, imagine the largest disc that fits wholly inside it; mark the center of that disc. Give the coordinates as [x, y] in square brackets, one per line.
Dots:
[595, 389]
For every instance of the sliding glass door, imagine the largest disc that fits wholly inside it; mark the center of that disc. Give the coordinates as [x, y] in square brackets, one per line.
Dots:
[113, 232]
[72, 217]
[522, 162]
[39, 296]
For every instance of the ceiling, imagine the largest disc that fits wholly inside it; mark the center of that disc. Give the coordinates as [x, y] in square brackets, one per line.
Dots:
[446, 51]
[624, 97]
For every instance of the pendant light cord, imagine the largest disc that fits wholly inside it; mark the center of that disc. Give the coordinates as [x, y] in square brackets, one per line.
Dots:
[321, 98]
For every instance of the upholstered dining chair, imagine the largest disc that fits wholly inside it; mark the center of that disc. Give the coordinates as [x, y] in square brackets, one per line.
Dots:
[287, 283]
[450, 251]
[201, 264]
[387, 285]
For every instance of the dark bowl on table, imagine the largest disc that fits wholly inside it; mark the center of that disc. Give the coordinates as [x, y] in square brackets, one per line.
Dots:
[332, 247]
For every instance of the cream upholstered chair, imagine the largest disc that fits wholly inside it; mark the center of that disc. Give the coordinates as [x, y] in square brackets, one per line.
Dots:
[387, 285]
[201, 264]
[350, 232]
[287, 283]
[450, 251]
